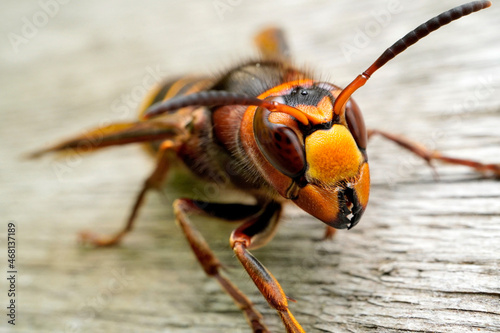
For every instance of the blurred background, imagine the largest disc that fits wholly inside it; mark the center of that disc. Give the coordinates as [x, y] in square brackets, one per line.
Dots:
[69, 65]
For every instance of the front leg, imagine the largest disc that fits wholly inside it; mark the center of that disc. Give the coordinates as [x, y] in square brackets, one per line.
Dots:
[429, 155]
[209, 262]
[241, 240]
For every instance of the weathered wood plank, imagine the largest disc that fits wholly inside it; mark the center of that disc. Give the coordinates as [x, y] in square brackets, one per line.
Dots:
[423, 259]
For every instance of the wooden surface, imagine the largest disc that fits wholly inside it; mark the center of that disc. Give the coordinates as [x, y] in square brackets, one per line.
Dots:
[425, 257]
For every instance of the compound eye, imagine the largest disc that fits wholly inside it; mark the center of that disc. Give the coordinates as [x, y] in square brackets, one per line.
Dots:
[356, 124]
[279, 143]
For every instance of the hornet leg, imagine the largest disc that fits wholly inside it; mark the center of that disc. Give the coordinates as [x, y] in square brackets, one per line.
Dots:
[429, 155]
[154, 181]
[241, 240]
[211, 265]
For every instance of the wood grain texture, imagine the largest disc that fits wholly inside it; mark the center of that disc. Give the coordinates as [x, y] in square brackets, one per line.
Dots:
[425, 257]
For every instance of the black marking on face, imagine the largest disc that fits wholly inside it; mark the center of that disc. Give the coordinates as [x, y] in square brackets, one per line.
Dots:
[306, 96]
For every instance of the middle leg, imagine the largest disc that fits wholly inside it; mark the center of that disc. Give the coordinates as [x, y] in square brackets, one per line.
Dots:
[154, 181]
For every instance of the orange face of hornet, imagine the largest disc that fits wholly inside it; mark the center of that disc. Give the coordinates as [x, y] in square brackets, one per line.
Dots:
[315, 157]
